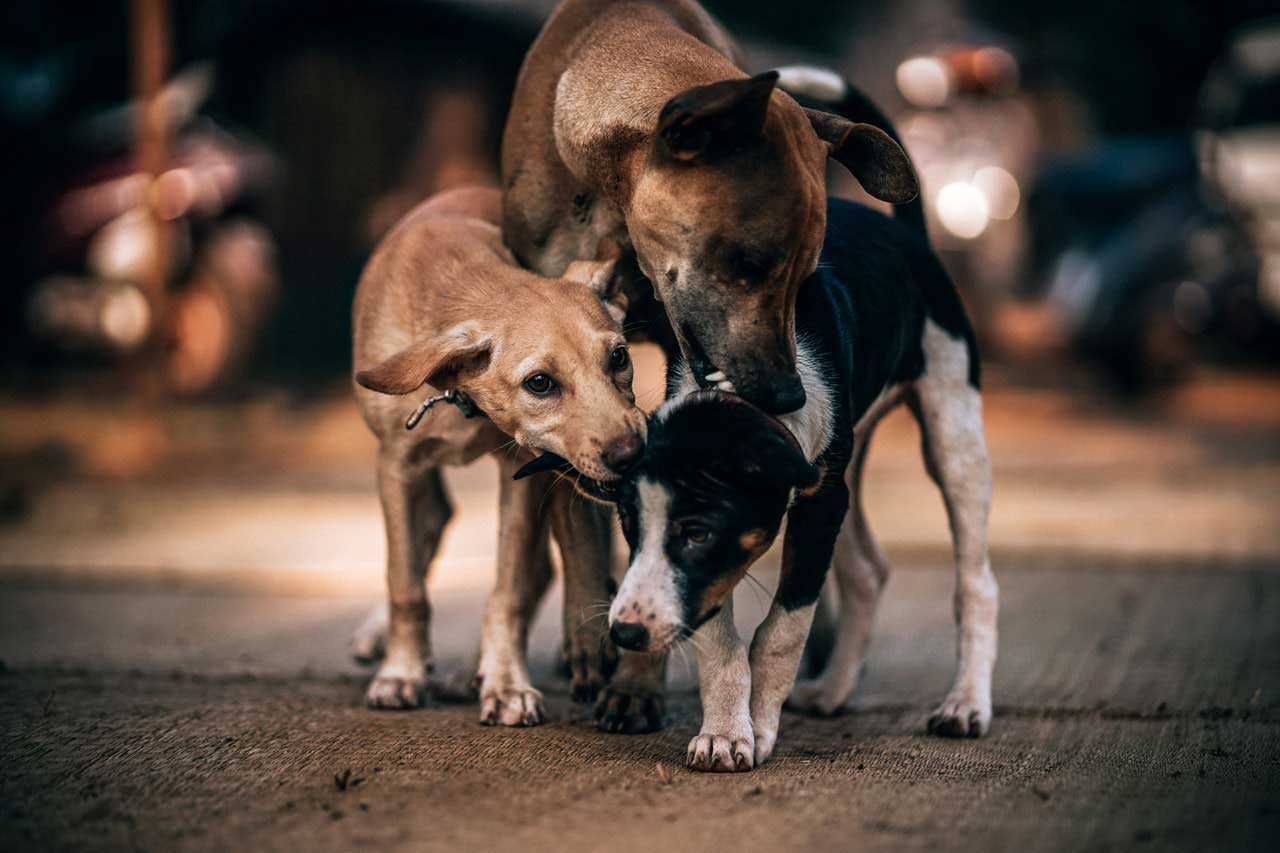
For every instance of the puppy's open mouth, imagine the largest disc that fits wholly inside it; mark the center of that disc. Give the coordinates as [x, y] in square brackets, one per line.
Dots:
[545, 462]
[596, 489]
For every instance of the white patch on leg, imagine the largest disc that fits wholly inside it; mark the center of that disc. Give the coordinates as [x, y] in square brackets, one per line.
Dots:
[648, 593]
[820, 83]
[507, 695]
[726, 741]
[950, 410]
[860, 579]
[776, 650]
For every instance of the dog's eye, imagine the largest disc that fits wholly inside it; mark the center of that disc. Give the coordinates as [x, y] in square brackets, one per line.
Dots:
[619, 359]
[695, 535]
[540, 384]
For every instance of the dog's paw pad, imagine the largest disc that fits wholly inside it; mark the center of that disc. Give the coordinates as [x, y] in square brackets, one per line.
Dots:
[511, 706]
[720, 754]
[630, 711]
[958, 717]
[396, 692]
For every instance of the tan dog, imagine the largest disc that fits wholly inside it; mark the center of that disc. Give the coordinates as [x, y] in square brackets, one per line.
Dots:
[442, 306]
[633, 123]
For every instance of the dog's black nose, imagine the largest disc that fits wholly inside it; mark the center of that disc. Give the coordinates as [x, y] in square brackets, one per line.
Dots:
[786, 396]
[629, 635]
[621, 456]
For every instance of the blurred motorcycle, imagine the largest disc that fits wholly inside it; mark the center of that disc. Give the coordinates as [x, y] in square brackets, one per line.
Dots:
[1159, 252]
[118, 230]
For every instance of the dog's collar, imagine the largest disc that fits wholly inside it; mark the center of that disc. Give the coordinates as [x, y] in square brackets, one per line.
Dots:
[458, 398]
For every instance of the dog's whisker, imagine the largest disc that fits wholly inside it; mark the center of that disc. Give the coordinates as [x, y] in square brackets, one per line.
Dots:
[592, 619]
[761, 589]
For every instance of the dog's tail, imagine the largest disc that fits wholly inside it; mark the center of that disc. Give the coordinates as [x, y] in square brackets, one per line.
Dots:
[831, 91]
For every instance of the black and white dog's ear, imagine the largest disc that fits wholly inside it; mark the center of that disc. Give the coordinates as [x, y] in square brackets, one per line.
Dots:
[779, 458]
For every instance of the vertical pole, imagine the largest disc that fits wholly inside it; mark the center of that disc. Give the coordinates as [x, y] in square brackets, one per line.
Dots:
[151, 56]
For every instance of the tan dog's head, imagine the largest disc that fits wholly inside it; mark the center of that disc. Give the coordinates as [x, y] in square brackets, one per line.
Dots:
[545, 360]
[727, 217]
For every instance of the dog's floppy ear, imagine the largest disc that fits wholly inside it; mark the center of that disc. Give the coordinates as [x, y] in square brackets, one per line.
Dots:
[771, 451]
[704, 121]
[879, 163]
[439, 360]
[598, 275]
[763, 444]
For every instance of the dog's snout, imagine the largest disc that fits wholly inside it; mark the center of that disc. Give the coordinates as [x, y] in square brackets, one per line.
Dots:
[784, 395]
[622, 455]
[629, 635]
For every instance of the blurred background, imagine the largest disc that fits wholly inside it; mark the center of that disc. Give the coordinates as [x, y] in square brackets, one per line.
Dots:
[191, 189]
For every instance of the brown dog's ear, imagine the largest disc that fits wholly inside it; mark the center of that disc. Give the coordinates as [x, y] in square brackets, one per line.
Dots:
[598, 275]
[440, 361]
[879, 163]
[705, 121]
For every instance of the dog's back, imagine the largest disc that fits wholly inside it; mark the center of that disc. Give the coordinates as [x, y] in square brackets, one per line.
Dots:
[864, 309]
[539, 187]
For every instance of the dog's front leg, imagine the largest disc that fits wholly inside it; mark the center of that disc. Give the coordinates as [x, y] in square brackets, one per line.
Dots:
[415, 509]
[725, 742]
[583, 530]
[813, 525]
[507, 695]
[634, 701]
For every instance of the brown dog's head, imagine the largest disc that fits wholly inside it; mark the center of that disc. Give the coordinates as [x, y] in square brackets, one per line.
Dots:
[727, 217]
[544, 359]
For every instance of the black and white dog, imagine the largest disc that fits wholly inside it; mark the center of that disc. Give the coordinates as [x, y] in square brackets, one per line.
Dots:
[878, 324]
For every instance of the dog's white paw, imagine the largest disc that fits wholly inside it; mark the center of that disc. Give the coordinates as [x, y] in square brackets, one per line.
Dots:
[765, 741]
[720, 753]
[815, 697]
[368, 642]
[961, 715]
[396, 688]
[511, 706]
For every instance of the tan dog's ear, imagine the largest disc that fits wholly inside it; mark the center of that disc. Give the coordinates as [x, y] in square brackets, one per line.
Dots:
[440, 361]
[879, 163]
[598, 275]
[705, 121]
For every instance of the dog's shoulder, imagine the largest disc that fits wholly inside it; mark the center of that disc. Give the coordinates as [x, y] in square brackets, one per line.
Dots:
[893, 280]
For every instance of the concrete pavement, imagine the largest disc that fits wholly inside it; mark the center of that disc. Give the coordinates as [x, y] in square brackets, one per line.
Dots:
[176, 592]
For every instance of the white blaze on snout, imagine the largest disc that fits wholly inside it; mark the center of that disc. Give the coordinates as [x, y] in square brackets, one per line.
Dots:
[648, 594]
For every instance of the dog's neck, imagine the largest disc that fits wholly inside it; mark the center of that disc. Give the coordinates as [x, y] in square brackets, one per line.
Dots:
[811, 424]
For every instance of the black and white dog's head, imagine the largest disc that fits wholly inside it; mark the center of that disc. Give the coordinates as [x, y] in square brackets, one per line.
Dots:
[704, 503]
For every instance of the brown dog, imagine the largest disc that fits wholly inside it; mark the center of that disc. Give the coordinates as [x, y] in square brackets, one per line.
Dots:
[633, 126]
[442, 304]
[632, 122]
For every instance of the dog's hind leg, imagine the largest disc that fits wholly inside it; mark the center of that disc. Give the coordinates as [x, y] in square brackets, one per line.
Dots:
[583, 530]
[507, 695]
[415, 510]
[949, 410]
[368, 642]
[861, 571]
